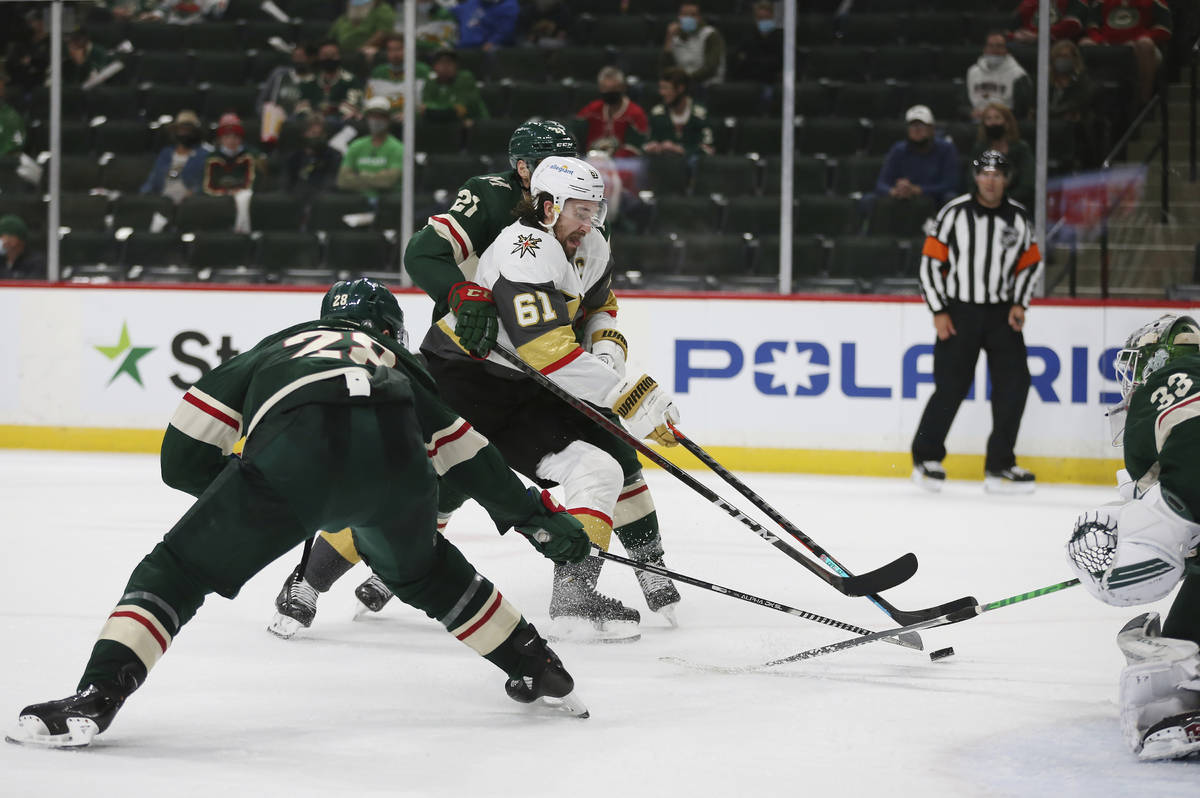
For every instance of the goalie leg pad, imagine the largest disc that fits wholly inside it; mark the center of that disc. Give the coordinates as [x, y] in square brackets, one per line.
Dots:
[1162, 680]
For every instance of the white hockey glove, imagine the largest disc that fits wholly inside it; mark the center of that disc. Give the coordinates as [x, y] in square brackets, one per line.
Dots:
[1131, 553]
[610, 346]
[1161, 679]
[645, 408]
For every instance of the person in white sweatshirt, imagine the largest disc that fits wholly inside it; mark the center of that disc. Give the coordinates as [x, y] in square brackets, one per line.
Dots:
[997, 77]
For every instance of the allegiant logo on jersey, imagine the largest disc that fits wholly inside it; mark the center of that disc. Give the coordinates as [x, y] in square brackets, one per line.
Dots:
[807, 368]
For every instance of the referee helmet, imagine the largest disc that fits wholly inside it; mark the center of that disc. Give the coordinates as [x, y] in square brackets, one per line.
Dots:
[992, 159]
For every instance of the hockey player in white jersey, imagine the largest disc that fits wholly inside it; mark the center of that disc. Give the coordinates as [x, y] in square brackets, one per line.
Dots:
[549, 274]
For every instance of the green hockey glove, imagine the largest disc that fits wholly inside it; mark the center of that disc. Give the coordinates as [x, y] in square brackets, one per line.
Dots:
[553, 531]
[477, 324]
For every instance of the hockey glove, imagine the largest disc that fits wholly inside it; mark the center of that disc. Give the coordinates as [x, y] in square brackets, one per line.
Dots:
[645, 408]
[610, 346]
[477, 324]
[553, 531]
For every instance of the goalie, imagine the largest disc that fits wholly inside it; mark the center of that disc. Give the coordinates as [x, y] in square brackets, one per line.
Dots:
[1137, 550]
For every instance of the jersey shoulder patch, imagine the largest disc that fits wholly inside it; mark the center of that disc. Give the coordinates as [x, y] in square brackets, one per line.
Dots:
[526, 244]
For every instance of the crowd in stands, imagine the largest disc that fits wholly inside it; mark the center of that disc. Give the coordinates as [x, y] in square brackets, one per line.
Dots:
[302, 102]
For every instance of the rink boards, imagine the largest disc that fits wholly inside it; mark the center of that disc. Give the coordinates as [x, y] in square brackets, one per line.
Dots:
[813, 384]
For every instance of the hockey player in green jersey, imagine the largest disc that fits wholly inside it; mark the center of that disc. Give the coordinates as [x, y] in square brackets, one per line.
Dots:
[342, 427]
[1137, 550]
[442, 258]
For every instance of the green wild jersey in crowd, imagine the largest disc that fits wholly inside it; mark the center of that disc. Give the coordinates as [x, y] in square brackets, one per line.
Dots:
[327, 362]
[1162, 431]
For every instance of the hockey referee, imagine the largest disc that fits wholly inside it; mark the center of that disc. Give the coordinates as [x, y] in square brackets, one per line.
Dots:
[978, 270]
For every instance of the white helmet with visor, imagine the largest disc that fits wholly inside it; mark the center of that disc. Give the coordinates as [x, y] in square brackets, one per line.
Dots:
[567, 179]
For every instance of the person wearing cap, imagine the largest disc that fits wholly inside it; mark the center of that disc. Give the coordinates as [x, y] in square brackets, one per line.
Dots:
[178, 172]
[979, 268]
[231, 168]
[374, 163]
[17, 261]
[452, 93]
[923, 165]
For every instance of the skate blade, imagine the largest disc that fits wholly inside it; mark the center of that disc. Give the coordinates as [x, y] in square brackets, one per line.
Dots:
[360, 611]
[1006, 487]
[928, 483]
[569, 704]
[284, 627]
[1176, 745]
[668, 612]
[568, 629]
[33, 733]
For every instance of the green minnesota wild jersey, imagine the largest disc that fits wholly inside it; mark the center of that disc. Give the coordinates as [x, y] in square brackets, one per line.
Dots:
[1162, 431]
[330, 362]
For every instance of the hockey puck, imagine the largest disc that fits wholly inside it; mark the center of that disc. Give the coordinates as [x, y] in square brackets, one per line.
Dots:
[941, 653]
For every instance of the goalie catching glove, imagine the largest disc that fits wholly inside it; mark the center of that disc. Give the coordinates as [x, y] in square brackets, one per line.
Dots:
[646, 409]
[476, 322]
[553, 531]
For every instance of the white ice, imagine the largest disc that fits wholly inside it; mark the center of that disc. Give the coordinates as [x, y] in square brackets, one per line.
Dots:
[393, 706]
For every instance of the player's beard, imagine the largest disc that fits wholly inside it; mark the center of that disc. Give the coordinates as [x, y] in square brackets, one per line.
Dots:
[571, 244]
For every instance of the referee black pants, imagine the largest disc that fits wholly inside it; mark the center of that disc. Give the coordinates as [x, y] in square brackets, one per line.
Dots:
[978, 327]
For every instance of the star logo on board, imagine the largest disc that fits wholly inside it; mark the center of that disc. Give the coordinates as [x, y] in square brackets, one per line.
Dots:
[132, 354]
[526, 244]
[794, 368]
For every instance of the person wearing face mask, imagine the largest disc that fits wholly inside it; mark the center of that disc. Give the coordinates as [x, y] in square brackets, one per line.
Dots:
[678, 125]
[997, 77]
[283, 85]
[313, 168]
[609, 117]
[695, 47]
[363, 25]
[923, 165]
[231, 168]
[998, 131]
[178, 171]
[374, 163]
[1071, 98]
[759, 57]
[333, 93]
[486, 24]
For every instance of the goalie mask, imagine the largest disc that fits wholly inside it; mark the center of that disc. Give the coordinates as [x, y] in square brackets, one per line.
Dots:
[567, 179]
[1150, 347]
[366, 303]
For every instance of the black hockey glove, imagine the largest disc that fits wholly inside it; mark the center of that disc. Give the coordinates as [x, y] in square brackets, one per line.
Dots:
[477, 325]
[553, 531]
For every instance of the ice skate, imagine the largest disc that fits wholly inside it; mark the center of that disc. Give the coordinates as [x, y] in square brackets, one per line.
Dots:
[580, 614]
[930, 475]
[69, 722]
[543, 676]
[1009, 480]
[659, 591]
[372, 596]
[1175, 737]
[296, 606]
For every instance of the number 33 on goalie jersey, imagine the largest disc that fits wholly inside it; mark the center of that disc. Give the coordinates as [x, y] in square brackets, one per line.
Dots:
[1162, 431]
[542, 298]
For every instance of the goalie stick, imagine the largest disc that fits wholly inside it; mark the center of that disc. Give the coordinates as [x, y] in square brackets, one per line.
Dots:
[737, 594]
[957, 615]
[871, 582]
[900, 616]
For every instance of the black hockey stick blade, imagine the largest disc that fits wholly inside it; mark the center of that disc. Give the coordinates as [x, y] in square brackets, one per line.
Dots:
[905, 618]
[883, 578]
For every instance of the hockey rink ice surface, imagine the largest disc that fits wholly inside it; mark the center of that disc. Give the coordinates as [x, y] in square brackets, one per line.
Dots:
[392, 705]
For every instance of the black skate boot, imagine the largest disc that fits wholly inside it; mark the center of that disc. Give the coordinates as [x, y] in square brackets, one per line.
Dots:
[372, 595]
[69, 722]
[580, 614]
[543, 675]
[660, 592]
[296, 606]
[1175, 737]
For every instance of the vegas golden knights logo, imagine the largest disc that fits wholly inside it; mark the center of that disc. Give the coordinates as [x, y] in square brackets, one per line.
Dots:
[526, 244]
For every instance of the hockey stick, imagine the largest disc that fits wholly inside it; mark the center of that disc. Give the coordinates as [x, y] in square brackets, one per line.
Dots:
[737, 594]
[956, 616]
[900, 616]
[872, 582]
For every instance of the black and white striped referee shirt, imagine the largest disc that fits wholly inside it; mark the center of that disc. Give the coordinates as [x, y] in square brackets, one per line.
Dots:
[978, 255]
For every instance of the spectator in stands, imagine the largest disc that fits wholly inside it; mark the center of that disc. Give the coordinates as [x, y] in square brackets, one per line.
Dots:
[334, 93]
[695, 47]
[451, 93]
[178, 172]
[387, 79]
[1066, 20]
[28, 58]
[922, 164]
[124, 10]
[611, 115]
[997, 77]
[998, 131]
[374, 163]
[678, 125]
[12, 125]
[184, 12]
[84, 59]
[314, 168]
[19, 261]
[363, 25]
[285, 83]
[232, 168]
[486, 24]
[545, 23]
[1071, 98]
[759, 57]
[1144, 25]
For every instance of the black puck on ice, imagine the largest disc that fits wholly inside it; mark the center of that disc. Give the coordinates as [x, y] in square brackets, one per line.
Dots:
[941, 653]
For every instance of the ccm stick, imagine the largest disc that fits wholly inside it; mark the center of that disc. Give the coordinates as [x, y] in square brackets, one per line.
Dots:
[869, 583]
